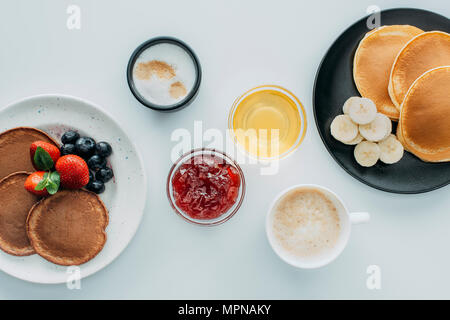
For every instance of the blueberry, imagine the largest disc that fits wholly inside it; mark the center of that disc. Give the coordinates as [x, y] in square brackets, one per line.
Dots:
[68, 148]
[103, 149]
[85, 146]
[91, 180]
[104, 174]
[91, 176]
[96, 186]
[96, 162]
[70, 137]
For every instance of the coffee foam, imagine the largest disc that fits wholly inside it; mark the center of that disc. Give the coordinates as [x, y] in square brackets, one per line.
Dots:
[159, 68]
[306, 223]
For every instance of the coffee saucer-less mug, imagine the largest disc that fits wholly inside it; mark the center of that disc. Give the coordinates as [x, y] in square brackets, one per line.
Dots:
[347, 219]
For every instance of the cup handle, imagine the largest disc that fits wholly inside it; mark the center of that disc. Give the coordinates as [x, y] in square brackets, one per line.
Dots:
[359, 217]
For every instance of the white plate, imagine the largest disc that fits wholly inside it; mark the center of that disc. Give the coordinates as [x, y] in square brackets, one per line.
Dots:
[124, 196]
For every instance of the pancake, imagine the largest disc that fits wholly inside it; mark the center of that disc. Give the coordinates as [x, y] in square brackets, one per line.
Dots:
[422, 53]
[373, 62]
[68, 228]
[425, 116]
[400, 135]
[15, 202]
[15, 149]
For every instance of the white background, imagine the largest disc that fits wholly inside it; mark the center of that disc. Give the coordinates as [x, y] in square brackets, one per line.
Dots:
[240, 44]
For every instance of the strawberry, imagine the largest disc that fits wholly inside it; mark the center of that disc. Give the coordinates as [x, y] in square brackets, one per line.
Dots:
[33, 180]
[73, 171]
[44, 155]
[42, 183]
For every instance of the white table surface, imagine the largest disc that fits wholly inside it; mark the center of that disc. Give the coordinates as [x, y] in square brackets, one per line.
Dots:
[240, 44]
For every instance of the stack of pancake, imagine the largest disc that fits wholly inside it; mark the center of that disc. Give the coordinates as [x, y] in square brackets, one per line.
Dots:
[406, 72]
[67, 228]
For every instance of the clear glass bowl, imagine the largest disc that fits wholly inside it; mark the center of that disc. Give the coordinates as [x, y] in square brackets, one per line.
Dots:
[301, 112]
[225, 216]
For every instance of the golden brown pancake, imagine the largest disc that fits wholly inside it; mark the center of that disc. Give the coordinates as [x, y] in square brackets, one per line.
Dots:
[424, 52]
[15, 149]
[400, 135]
[15, 203]
[373, 62]
[68, 228]
[425, 116]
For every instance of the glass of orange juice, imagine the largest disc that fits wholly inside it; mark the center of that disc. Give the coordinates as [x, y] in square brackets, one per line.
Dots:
[268, 122]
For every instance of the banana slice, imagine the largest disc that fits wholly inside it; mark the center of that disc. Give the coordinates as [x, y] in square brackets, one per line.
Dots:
[367, 153]
[388, 124]
[350, 101]
[343, 128]
[391, 150]
[387, 134]
[376, 130]
[362, 110]
[355, 141]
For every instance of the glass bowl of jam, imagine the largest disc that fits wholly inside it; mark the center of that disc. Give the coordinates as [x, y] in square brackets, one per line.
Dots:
[205, 187]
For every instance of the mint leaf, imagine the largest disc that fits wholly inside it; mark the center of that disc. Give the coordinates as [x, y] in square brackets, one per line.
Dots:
[54, 183]
[42, 159]
[50, 181]
[52, 188]
[54, 176]
[43, 183]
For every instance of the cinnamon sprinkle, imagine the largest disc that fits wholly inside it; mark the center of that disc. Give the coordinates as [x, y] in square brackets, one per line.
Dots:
[177, 90]
[161, 69]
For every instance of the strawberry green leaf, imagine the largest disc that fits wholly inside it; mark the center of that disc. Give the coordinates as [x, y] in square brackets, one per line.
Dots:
[43, 183]
[42, 159]
[55, 177]
[53, 186]
[50, 181]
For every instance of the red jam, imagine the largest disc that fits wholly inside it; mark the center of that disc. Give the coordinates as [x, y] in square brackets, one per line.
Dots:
[205, 187]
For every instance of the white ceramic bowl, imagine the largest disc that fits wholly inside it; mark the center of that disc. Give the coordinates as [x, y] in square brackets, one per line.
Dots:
[124, 196]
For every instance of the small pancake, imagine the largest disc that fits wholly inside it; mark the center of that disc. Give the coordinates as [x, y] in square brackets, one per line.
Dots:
[373, 62]
[400, 135]
[425, 116]
[15, 149]
[422, 53]
[68, 228]
[15, 203]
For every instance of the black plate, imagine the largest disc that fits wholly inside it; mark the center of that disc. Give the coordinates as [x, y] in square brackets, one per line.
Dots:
[334, 84]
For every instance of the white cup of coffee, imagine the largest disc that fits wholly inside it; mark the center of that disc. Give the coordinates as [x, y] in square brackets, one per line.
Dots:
[308, 226]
